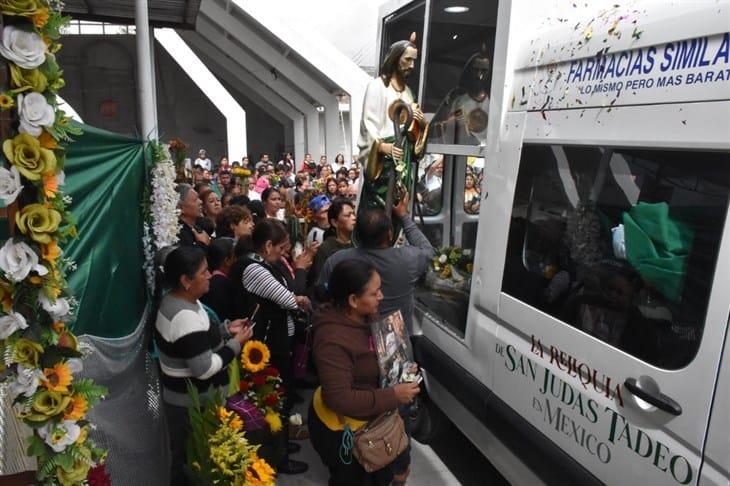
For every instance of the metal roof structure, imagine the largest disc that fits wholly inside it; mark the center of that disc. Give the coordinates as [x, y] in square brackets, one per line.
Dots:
[180, 14]
[294, 74]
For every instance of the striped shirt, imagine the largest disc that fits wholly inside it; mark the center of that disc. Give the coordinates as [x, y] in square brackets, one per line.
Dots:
[259, 281]
[191, 349]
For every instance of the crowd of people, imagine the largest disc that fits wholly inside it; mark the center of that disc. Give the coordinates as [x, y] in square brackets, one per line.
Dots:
[269, 250]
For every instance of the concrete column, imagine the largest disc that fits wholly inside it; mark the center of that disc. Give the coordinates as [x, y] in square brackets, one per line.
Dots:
[300, 140]
[145, 84]
[313, 133]
[332, 131]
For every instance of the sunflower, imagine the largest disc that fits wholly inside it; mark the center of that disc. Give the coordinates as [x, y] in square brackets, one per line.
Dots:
[58, 378]
[259, 473]
[273, 419]
[255, 356]
[6, 101]
[76, 409]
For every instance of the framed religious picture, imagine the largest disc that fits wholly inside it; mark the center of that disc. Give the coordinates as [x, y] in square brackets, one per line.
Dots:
[393, 347]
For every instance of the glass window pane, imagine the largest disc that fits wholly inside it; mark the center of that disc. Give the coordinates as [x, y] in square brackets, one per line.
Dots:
[429, 189]
[473, 184]
[399, 26]
[445, 290]
[621, 244]
[459, 71]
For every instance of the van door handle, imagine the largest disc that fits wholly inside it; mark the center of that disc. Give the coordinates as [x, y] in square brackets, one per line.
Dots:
[659, 400]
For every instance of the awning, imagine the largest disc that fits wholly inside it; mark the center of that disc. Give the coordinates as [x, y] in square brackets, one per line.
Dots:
[179, 14]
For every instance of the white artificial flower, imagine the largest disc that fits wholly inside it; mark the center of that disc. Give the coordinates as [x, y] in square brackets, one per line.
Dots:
[60, 435]
[10, 185]
[61, 178]
[443, 259]
[35, 113]
[24, 48]
[58, 309]
[10, 323]
[26, 381]
[17, 260]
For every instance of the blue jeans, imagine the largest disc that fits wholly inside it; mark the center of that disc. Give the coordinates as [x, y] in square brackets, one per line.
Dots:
[403, 461]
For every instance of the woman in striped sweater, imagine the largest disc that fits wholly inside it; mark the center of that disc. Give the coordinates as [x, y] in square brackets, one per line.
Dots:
[266, 287]
[191, 349]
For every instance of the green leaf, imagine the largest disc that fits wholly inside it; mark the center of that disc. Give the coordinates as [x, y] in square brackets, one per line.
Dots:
[36, 447]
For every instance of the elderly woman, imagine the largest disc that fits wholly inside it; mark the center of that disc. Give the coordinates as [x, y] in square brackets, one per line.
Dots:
[348, 372]
[191, 348]
[190, 206]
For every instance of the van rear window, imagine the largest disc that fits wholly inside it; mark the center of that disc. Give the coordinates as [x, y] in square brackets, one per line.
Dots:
[620, 243]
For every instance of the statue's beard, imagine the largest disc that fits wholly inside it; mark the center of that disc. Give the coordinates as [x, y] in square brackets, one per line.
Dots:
[404, 73]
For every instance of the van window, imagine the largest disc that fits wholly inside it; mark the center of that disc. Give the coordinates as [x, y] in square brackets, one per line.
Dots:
[397, 27]
[459, 71]
[620, 243]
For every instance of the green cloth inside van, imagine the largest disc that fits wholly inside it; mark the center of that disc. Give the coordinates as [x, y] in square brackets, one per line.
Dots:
[658, 247]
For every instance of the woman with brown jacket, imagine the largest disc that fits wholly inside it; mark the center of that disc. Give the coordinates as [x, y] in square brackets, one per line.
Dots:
[348, 372]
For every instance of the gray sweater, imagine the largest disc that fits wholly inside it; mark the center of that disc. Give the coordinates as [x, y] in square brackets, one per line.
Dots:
[399, 268]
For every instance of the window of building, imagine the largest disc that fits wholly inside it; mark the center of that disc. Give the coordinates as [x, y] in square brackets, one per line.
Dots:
[399, 26]
[459, 71]
[620, 243]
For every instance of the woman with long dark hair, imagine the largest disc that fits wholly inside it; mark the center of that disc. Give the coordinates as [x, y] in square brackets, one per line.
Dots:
[191, 348]
[348, 371]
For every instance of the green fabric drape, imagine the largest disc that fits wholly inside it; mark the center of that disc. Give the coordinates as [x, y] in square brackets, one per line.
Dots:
[658, 247]
[105, 176]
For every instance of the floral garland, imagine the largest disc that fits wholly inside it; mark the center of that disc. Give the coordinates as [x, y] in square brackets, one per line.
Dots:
[40, 355]
[161, 227]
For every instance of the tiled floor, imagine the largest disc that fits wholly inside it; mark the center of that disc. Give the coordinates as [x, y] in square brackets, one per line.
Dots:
[426, 467]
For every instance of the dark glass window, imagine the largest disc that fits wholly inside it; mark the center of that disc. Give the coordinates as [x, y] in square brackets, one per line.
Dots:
[459, 71]
[620, 243]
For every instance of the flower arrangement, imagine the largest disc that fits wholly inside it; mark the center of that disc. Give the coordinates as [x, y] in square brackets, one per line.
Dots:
[39, 354]
[218, 451]
[241, 172]
[260, 383]
[453, 262]
[161, 226]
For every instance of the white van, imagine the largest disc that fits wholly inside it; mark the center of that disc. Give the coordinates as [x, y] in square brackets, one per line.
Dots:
[587, 346]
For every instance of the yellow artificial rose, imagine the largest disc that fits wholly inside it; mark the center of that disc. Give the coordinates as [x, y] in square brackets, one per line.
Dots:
[78, 471]
[25, 152]
[46, 404]
[27, 79]
[26, 352]
[22, 8]
[38, 222]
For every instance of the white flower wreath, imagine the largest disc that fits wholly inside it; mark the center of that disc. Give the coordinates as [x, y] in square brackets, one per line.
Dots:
[161, 227]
